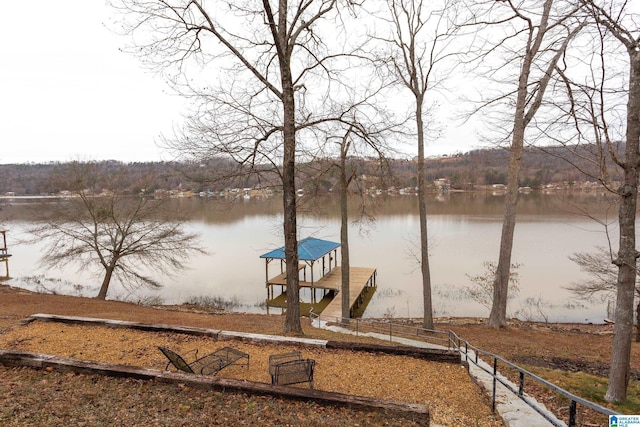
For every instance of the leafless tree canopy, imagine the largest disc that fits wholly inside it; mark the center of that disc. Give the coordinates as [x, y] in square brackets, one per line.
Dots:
[418, 46]
[117, 234]
[602, 282]
[520, 47]
[226, 58]
[599, 98]
[265, 77]
[481, 288]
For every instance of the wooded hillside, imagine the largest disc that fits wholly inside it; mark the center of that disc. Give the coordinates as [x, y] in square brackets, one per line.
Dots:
[464, 171]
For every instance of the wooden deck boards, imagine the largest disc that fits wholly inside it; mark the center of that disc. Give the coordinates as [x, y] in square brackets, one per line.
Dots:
[359, 277]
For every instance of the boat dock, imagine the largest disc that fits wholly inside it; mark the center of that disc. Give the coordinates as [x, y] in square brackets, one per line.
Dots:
[361, 280]
[327, 281]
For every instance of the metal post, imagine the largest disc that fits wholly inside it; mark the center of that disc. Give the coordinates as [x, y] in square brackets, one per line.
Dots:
[521, 388]
[495, 372]
[572, 414]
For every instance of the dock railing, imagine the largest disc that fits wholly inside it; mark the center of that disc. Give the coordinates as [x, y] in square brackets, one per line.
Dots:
[471, 355]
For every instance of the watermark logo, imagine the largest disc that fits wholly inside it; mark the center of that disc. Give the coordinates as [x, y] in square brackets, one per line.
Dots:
[624, 420]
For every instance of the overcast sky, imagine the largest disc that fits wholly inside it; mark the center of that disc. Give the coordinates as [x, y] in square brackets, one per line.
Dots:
[67, 92]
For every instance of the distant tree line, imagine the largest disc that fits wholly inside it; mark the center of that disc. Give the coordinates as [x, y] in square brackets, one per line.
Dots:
[465, 172]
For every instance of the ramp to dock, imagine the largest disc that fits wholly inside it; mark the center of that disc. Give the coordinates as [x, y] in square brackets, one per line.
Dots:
[359, 279]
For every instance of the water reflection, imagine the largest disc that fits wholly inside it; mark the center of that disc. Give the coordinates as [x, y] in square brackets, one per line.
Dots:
[464, 233]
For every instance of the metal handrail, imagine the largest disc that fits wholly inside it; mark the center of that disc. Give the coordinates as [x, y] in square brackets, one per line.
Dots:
[391, 329]
[523, 373]
[463, 347]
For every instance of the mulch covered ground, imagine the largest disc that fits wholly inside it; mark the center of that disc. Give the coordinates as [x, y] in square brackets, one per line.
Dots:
[561, 347]
[453, 399]
[31, 397]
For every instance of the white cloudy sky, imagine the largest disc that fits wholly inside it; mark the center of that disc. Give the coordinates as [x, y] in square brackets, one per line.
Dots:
[67, 92]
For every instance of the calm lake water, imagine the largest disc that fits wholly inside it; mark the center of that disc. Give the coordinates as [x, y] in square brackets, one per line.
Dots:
[464, 233]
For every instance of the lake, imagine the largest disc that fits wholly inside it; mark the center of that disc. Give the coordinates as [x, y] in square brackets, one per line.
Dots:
[464, 232]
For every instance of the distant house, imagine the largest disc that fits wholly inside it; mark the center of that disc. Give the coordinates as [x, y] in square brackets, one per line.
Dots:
[443, 185]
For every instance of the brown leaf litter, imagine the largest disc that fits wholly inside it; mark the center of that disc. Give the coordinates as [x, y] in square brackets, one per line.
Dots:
[453, 399]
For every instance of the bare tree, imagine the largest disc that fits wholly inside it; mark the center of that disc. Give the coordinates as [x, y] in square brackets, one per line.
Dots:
[348, 175]
[602, 281]
[125, 236]
[537, 36]
[269, 82]
[481, 289]
[355, 150]
[608, 132]
[345, 179]
[420, 46]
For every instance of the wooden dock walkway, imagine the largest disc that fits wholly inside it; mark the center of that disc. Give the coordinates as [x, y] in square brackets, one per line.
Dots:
[359, 279]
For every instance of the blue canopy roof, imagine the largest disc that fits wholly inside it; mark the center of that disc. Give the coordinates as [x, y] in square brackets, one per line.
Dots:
[309, 249]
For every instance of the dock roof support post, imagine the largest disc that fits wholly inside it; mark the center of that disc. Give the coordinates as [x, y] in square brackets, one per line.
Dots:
[3, 251]
[266, 275]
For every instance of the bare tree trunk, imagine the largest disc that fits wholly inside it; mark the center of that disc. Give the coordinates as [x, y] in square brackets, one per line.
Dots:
[344, 249]
[627, 254]
[620, 22]
[638, 321]
[427, 322]
[498, 316]
[108, 273]
[417, 56]
[521, 118]
[344, 230]
[292, 318]
[623, 329]
[236, 119]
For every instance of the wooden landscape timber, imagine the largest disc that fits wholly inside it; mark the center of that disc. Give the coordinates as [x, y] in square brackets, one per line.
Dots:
[430, 354]
[414, 412]
[433, 355]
